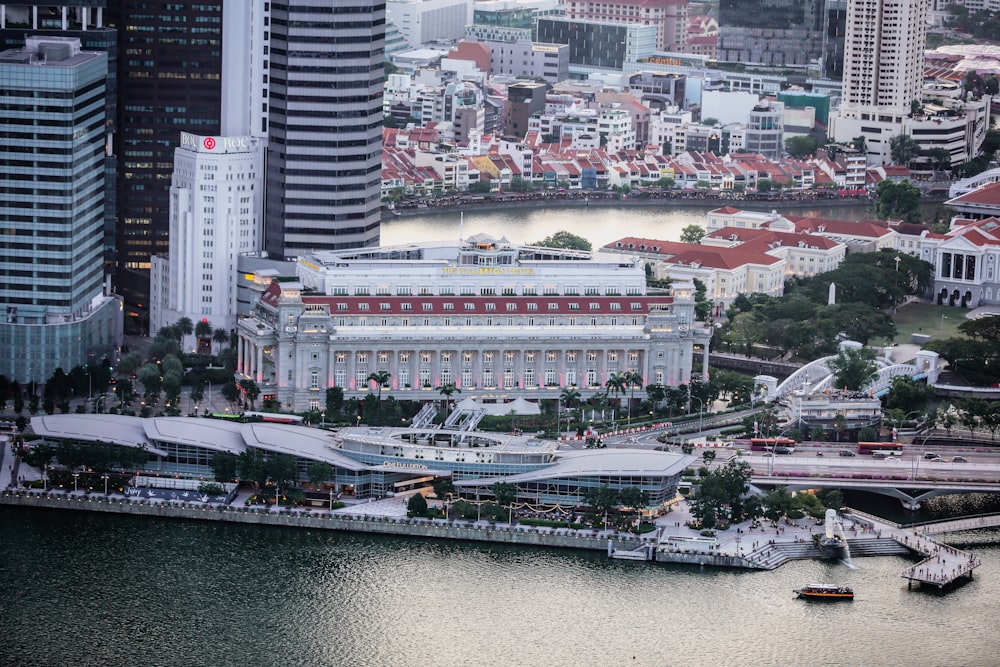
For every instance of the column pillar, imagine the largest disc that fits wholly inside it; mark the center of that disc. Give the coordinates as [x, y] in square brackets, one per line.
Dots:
[259, 365]
[704, 361]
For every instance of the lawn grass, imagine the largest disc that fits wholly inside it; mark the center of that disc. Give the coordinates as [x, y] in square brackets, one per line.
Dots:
[926, 318]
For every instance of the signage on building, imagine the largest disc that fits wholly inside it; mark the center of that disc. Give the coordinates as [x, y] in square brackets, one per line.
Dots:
[394, 464]
[226, 144]
[486, 271]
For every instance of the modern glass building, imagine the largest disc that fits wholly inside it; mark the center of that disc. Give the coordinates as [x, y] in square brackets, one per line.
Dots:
[324, 155]
[788, 33]
[52, 206]
[82, 19]
[599, 45]
[376, 462]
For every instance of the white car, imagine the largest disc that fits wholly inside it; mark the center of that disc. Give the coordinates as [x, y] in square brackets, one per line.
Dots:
[890, 458]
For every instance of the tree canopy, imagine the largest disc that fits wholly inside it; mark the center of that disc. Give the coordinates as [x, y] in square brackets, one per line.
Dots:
[897, 201]
[692, 234]
[564, 239]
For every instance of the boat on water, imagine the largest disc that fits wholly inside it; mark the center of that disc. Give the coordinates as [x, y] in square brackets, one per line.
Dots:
[825, 592]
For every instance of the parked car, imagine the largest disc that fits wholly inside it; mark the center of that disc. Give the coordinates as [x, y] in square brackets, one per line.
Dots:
[847, 452]
[959, 459]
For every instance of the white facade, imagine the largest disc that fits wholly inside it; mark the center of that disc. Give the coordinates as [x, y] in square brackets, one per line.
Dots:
[215, 201]
[425, 21]
[883, 72]
[496, 320]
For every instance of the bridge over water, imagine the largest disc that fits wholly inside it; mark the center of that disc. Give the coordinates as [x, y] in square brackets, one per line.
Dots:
[911, 493]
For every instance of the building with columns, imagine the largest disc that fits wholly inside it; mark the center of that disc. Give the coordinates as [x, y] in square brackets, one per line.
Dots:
[496, 320]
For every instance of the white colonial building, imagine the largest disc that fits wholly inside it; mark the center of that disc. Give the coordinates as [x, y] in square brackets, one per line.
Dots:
[496, 320]
[215, 200]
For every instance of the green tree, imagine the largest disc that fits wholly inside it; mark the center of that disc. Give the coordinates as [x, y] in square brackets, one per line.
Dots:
[853, 368]
[203, 331]
[603, 499]
[564, 239]
[381, 379]
[224, 466]
[939, 158]
[800, 146]
[444, 487]
[252, 466]
[334, 400]
[764, 184]
[505, 493]
[152, 382]
[447, 390]
[908, 395]
[692, 234]
[319, 472]
[283, 469]
[898, 201]
[617, 384]
[416, 505]
[250, 390]
[220, 337]
[903, 149]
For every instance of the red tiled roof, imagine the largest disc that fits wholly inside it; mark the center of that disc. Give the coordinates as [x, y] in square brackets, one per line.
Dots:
[987, 194]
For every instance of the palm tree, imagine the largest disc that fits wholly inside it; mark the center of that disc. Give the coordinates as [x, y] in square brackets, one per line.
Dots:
[446, 391]
[184, 327]
[616, 384]
[221, 337]
[203, 332]
[570, 398]
[633, 379]
[380, 378]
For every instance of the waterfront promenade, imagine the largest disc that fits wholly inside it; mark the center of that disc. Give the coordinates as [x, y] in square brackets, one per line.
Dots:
[764, 546]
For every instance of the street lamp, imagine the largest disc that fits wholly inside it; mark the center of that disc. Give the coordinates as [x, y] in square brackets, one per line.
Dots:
[943, 318]
[701, 409]
[76, 475]
[322, 423]
[105, 477]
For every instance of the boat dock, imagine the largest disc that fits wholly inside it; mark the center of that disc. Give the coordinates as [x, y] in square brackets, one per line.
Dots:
[942, 564]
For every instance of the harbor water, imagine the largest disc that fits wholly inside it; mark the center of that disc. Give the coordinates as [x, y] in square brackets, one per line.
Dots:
[93, 589]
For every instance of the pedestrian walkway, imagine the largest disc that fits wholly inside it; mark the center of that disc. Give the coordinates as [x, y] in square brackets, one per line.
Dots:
[942, 564]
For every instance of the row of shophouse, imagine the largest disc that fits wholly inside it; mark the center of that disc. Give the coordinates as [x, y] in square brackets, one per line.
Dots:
[417, 162]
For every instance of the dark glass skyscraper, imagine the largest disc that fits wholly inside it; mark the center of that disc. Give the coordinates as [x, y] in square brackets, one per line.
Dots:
[787, 33]
[324, 154]
[169, 81]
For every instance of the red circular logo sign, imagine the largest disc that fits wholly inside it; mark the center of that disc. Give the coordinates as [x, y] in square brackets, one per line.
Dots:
[209, 143]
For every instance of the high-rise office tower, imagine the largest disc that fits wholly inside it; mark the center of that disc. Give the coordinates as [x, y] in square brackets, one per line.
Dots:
[170, 71]
[83, 19]
[214, 218]
[883, 72]
[57, 311]
[324, 125]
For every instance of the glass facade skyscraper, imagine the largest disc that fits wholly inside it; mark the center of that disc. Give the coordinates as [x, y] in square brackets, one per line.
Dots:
[788, 33]
[52, 203]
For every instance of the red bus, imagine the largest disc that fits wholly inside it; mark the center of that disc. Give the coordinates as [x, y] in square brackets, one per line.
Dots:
[768, 444]
[883, 448]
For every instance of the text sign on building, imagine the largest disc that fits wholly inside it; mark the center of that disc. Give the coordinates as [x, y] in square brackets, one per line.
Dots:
[216, 144]
[486, 271]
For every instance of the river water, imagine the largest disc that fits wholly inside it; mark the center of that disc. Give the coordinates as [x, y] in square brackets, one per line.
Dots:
[599, 225]
[88, 589]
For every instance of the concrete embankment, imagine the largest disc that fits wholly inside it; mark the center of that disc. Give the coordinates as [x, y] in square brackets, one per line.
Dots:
[421, 528]
[581, 202]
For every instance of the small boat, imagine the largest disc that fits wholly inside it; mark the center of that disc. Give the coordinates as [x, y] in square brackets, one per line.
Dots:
[825, 592]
